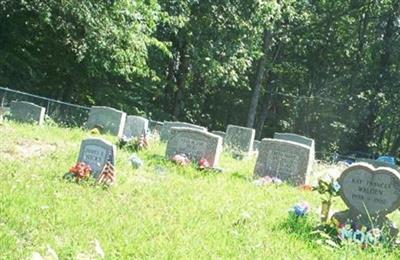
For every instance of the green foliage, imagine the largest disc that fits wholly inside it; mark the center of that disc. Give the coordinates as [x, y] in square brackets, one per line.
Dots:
[331, 68]
[158, 211]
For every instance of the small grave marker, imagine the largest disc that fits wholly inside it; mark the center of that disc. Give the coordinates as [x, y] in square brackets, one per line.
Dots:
[135, 126]
[27, 112]
[239, 139]
[97, 152]
[111, 120]
[289, 161]
[196, 144]
[165, 132]
[370, 193]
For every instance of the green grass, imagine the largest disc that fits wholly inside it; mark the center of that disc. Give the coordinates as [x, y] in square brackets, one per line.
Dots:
[159, 211]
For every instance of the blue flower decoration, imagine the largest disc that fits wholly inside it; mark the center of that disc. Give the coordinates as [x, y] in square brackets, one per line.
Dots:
[301, 209]
[336, 186]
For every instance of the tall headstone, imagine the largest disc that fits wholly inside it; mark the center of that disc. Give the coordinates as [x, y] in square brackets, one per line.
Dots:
[135, 126]
[370, 194]
[196, 144]
[110, 119]
[27, 112]
[298, 139]
[166, 128]
[239, 139]
[97, 152]
[286, 160]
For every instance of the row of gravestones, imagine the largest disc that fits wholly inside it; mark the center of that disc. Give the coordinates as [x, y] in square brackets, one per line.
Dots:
[369, 193]
[287, 156]
[108, 119]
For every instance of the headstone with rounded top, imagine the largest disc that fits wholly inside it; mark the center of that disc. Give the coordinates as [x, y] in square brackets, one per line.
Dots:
[196, 144]
[239, 140]
[108, 119]
[289, 161]
[27, 112]
[135, 126]
[165, 133]
[370, 194]
[96, 152]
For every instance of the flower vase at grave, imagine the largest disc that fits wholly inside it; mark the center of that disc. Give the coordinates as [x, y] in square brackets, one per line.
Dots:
[326, 206]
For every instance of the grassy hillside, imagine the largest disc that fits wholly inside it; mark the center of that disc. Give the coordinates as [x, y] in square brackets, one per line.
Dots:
[159, 211]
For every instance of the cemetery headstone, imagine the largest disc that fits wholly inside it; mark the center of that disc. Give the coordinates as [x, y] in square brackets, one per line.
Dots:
[370, 194]
[239, 139]
[256, 145]
[196, 144]
[286, 160]
[155, 126]
[165, 132]
[27, 112]
[298, 139]
[97, 152]
[135, 126]
[219, 133]
[110, 119]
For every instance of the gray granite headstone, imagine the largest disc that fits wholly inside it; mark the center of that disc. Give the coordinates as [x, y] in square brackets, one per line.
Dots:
[239, 139]
[196, 144]
[27, 112]
[155, 126]
[256, 145]
[298, 139]
[286, 160]
[97, 152]
[166, 128]
[110, 119]
[370, 194]
[135, 126]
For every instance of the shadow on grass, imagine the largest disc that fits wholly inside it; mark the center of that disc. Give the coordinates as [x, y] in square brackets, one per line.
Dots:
[237, 175]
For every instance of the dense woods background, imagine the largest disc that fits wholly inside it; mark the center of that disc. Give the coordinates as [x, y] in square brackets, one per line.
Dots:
[325, 69]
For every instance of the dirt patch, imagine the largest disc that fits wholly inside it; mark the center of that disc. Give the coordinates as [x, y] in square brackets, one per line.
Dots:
[27, 149]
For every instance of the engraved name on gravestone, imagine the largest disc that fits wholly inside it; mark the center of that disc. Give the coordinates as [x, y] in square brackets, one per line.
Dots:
[286, 160]
[239, 139]
[97, 152]
[166, 128]
[370, 193]
[110, 119]
[298, 139]
[135, 126]
[364, 187]
[196, 144]
[27, 112]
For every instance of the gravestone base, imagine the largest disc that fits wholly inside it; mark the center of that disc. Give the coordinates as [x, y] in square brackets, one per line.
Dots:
[348, 216]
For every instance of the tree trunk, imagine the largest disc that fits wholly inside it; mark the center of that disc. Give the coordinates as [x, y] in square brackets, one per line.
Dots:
[264, 115]
[267, 37]
[181, 80]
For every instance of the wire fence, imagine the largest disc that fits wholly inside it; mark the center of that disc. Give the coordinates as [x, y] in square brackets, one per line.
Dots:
[62, 113]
